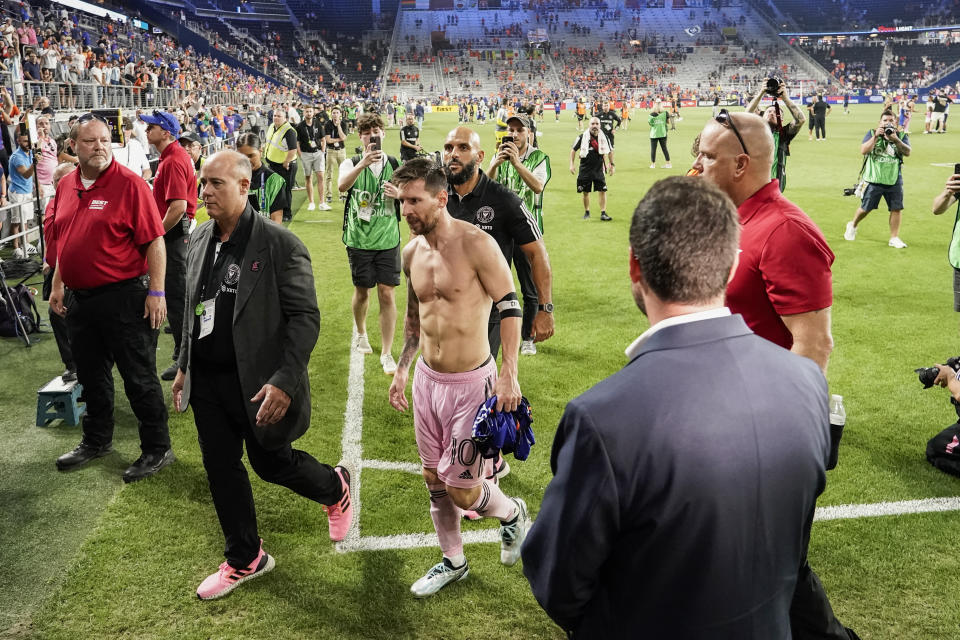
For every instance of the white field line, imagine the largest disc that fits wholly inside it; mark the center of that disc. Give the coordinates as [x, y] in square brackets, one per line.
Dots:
[352, 449]
[387, 465]
[876, 509]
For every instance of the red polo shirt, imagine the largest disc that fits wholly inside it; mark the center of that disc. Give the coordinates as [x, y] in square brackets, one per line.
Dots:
[49, 235]
[784, 265]
[102, 232]
[176, 179]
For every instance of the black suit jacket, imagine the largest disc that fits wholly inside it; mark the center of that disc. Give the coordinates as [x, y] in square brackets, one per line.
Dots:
[684, 490]
[275, 322]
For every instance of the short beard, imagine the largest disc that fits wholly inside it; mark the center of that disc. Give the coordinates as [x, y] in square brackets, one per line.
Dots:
[468, 171]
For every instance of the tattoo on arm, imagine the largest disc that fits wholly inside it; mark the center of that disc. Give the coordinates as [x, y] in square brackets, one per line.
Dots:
[411, 328]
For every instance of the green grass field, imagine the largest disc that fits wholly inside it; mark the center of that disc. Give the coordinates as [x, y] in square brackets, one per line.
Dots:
[85, 556]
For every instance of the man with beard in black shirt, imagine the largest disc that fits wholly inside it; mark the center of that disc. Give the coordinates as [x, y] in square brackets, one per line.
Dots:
[593, 149]
[609, 121]
[409, 139]
[475, 198]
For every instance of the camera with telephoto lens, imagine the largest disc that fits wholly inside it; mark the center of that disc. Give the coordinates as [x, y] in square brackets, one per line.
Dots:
[773, 86]
[928, 374]
[889, 130]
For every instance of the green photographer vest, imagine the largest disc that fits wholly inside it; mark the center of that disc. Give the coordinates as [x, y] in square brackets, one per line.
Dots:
[382, 231]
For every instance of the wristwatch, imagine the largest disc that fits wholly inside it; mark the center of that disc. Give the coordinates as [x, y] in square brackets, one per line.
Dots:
[548, 307]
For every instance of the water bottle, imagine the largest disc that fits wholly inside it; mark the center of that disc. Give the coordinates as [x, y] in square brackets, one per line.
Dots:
[838, 418]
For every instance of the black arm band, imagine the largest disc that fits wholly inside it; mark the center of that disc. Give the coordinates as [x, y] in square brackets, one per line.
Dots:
[509, 306]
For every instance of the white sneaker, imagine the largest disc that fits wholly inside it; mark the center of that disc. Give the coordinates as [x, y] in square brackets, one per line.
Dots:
[653, 166]
[311, 207]
[18, 252]
[323, 206]
[442, 574]
[668, 166]
[512, 535]
[31, 250]
[363, 345]
[389, 364]
[851, 232]
[528, 348]
[897, 243]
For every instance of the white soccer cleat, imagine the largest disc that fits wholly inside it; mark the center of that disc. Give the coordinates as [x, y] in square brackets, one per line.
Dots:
[389, 364]
[442, 574]
[851, 232]
[363, 345]
[512, 535]
[897, 243]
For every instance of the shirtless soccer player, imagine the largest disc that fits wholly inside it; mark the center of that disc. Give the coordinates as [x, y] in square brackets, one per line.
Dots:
[454, 270]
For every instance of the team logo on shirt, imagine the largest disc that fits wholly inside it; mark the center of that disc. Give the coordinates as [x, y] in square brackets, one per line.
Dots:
[98, 205]
[233, 275]
[484, 214]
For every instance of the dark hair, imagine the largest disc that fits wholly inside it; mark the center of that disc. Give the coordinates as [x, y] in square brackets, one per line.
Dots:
[426, 169]
[887, 112]
[684, 235]
[251, 140]
[369, 121]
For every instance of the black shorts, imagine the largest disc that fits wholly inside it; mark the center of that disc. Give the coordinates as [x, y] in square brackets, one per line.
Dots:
[892, 193]
[372, 267]
[586, 184]
[580, 116]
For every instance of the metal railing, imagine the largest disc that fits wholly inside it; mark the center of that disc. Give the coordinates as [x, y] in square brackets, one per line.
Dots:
[65, 96]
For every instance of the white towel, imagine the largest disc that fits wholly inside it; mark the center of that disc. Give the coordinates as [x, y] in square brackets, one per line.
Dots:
[604, 146]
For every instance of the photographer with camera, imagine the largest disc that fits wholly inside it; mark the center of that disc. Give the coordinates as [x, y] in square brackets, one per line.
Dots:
[783, 134]
[524, 170]
[371, 232]
[884, 150]
[657, 120]
[949, 195]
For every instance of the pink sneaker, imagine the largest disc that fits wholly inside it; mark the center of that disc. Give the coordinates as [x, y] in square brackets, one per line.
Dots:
[227, 578]
[340, 513]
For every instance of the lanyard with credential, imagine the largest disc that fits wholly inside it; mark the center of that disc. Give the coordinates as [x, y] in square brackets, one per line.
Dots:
[217, 255]
[262, 194]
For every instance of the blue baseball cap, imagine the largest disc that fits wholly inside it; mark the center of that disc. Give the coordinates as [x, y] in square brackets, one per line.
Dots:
[166, 121]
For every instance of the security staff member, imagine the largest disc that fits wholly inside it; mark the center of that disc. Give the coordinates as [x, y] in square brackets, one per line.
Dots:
[116, 310]
[174, 191]
[477, 199]
[282, 154]
[246, 350]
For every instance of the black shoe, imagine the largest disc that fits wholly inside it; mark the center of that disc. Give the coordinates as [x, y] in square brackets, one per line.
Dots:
[586, 216]
[147, 465]
[80, 456]
[69, 376]
[170, 372]
[605, 217]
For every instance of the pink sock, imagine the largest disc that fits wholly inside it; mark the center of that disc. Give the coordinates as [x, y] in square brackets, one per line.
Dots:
[494, 503]
[446, 520]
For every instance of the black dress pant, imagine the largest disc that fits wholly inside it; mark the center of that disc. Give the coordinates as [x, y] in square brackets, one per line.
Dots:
[223, 427]
[527, 289]
[175, 242]
[289, 176]
[820, 125]
[59, 324]
[106, 326]
[653, 149]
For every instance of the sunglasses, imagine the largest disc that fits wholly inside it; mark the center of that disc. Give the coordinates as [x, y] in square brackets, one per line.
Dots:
[724, 118]
[87, 117]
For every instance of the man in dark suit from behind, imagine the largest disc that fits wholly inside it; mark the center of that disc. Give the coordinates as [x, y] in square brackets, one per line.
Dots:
[685, 484]
[243, 366]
